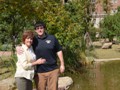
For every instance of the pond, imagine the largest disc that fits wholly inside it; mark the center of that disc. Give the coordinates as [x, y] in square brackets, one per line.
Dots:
[83, 80]
[101, 76]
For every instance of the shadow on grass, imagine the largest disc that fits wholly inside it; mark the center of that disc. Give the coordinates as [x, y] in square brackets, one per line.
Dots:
[118, 50]
[1, 73]
[98, 47]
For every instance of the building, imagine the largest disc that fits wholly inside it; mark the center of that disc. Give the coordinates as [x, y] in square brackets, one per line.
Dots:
[99, 12]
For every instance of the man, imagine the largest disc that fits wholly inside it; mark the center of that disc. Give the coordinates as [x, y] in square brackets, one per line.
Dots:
[47, 46]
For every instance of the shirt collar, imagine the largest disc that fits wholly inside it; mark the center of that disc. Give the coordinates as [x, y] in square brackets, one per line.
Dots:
[25, 47]
[44, 36]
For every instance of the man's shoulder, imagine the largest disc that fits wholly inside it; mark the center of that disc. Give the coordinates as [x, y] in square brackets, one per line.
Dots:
[51, 36]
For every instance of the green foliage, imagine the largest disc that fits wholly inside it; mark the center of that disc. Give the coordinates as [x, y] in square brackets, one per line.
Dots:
[107, 6]
[15, 16]
[13, 61]
[110, 26]
[118, 9]
[7, 66]
[5, 47]
[68, 22]
[65, 25]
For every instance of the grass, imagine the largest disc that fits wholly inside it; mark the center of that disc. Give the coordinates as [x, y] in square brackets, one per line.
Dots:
[6, 68]
[107, 53]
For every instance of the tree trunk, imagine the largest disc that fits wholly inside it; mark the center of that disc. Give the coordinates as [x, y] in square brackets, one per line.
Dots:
[13, 44]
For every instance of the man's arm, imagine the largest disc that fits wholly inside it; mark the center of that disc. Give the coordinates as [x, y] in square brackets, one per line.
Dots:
[19, 50]
[60, 56]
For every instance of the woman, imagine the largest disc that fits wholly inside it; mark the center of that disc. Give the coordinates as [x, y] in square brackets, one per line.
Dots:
[26, 62]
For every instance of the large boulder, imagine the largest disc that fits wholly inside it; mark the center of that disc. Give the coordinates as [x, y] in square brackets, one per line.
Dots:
[107, 45]
[7, 84]
[64, 83]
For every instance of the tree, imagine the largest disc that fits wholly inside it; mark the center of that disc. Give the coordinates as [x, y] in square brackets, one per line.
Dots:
[15, 16]
[110, 26]
[67, 22]
[107, 6]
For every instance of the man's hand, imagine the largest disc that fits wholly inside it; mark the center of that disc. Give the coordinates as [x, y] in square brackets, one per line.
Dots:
[19, 50]
[62, 69]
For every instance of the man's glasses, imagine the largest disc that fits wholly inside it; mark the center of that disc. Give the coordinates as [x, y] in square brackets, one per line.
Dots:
[39, 28]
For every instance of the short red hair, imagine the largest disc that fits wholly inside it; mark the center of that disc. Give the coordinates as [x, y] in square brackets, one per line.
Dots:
[26, 34]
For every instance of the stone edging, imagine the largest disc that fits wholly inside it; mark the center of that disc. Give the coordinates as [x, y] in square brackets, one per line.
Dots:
[105, 60]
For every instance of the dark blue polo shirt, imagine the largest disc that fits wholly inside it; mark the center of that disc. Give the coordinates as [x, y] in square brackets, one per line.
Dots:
[47, 48]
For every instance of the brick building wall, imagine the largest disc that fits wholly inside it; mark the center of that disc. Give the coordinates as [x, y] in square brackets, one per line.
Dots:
[99, 11]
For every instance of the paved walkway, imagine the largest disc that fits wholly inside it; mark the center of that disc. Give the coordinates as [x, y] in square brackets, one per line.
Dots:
[105, 60]
[5, 53]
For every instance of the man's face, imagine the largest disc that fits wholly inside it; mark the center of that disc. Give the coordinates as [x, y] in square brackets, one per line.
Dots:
[40, 30]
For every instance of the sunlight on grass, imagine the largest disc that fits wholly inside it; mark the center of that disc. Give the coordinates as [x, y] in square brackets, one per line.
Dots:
[107, 53]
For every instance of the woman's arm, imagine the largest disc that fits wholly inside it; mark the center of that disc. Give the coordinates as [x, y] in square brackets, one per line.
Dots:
[39, 61]
[22, 59]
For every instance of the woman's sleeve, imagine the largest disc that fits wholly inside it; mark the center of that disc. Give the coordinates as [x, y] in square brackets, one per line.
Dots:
[22, 59]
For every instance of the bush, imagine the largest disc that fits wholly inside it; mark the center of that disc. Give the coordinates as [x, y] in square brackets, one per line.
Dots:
[5, 47]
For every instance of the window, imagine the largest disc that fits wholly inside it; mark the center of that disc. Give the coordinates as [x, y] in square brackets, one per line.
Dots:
[114, 1]
[66, 1]
[93, 1]
[113, 11]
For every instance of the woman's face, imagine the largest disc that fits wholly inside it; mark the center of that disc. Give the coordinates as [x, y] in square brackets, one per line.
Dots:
[28, 41]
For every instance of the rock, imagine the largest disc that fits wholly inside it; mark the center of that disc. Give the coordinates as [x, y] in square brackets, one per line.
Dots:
[7, 84]
[64, 83]
[107, 45]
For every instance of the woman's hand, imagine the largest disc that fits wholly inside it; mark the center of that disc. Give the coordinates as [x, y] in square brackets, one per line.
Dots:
[41, 61]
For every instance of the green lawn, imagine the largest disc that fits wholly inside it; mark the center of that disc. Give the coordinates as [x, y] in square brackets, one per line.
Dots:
[107, 53]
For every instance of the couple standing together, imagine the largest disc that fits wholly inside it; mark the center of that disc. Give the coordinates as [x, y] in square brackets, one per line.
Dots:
[37, 58]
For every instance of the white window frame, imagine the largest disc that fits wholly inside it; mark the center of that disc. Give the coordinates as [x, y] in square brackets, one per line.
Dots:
[93, 1]
[114, 1]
